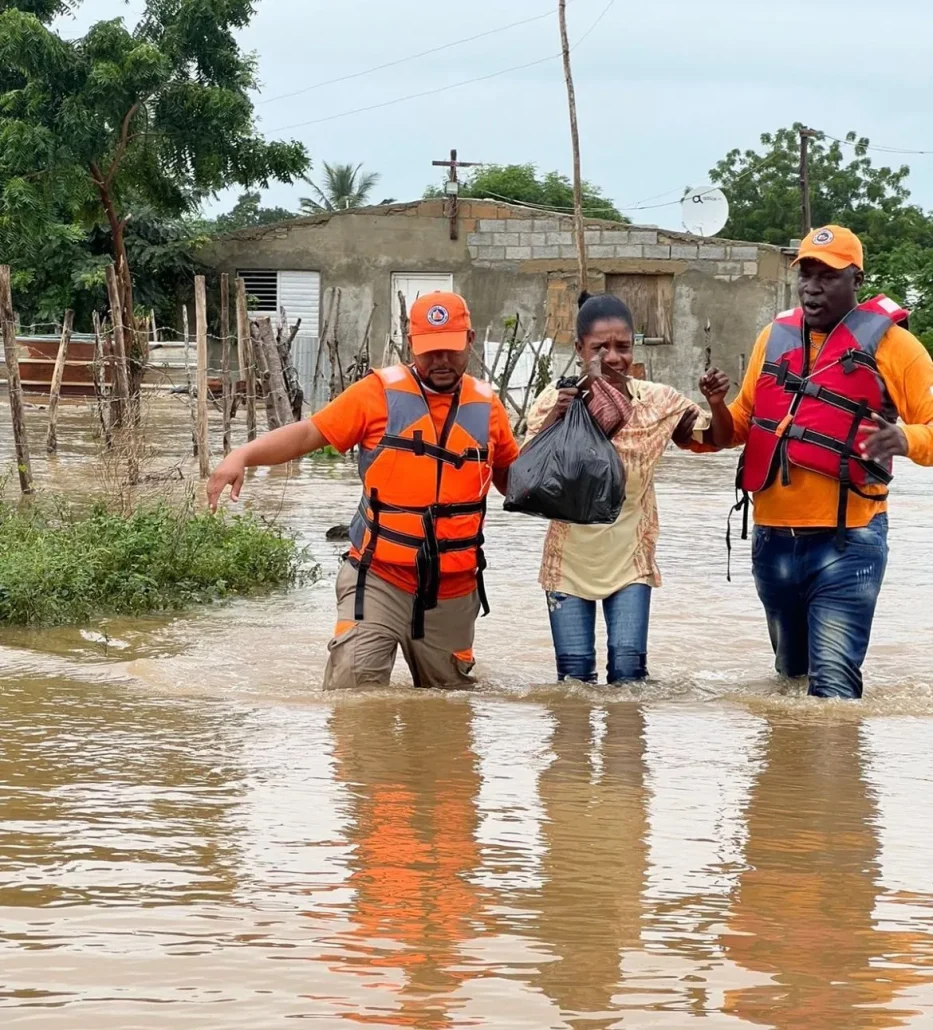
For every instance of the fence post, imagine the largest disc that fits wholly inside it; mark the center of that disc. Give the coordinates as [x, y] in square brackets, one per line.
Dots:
[225, 356]
[248, 364]
[200, 315]
[17, 414]
[119, 348]
[51, 443]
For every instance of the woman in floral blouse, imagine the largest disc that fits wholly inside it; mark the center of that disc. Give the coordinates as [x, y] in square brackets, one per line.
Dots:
[613, 564]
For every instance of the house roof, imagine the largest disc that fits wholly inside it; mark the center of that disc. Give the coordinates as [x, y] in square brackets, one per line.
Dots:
[433, 208]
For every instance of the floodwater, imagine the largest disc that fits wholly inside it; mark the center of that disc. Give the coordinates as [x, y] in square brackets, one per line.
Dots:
[194, 836]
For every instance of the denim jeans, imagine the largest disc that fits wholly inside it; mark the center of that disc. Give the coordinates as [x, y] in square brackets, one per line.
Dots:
[573, 628]
[820, 602]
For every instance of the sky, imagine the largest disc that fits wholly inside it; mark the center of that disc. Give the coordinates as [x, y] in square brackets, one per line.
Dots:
[665, 88]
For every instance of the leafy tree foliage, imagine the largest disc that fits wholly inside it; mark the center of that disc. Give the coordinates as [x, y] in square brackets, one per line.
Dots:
[521, 184]
[344, 186]
[246, 212]
[846, 188]
[121, 121]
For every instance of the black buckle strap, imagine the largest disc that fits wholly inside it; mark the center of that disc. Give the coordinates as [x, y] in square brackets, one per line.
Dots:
[481, 568]
[419, 447]
[845, 479]
[366, 558]
[742, 504]
[795, 432]
[438, 511]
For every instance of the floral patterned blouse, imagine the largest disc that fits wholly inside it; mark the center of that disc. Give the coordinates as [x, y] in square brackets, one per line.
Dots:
[595, 562]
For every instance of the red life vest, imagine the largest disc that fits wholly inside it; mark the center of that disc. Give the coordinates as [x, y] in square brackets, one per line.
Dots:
[424, 493]
[815, 418]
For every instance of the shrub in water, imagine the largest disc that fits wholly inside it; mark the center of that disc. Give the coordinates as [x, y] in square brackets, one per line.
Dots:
[63, 565]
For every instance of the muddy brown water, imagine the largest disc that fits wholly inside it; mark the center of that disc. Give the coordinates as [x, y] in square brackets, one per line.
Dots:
[194, 835]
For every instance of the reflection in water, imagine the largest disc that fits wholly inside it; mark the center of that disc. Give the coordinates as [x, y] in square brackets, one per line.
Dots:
[412, 777]
[588, 909]
[192, 837]
[805, 908]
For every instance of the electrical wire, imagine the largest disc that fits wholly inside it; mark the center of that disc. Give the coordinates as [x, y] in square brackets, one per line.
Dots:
[410, 57]
[874, 146]
[443, 89]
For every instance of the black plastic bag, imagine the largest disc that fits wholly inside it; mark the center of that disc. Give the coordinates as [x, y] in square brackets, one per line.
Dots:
[570, 473]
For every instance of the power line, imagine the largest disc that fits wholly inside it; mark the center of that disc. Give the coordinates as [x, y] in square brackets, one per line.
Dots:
[410, 57]
[444, 89]
[605, 11]
[874, 146]
[415, 96]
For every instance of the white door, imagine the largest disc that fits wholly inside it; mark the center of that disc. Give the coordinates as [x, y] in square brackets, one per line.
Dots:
[300, 296]
[412, 285]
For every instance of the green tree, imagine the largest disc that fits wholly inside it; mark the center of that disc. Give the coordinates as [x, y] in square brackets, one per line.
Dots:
[344, 186]
[246, 212]
[846, 188]
[72, 275]
[521, 184]
[95, 129]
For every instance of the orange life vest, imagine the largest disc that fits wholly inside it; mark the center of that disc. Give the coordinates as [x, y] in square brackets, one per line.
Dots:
[424, 494]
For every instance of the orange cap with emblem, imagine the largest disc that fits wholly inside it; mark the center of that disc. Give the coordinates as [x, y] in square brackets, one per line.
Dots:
[834, 246]
[439, 321]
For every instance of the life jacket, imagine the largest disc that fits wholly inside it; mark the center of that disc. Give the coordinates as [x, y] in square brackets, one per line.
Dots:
[815, 418]
[424, 494]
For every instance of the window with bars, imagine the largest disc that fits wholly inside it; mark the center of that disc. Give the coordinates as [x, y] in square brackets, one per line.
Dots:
[262, 288]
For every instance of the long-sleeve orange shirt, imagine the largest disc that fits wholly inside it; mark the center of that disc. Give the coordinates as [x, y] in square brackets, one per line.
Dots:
[811, 500]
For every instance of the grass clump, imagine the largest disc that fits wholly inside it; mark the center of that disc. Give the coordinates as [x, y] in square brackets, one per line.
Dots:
[60, 564]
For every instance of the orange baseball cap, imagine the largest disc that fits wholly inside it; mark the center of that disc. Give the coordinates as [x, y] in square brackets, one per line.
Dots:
[834, 246]
[439, 321]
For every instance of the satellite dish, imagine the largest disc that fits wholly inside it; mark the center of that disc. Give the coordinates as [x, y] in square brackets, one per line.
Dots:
[704, 211]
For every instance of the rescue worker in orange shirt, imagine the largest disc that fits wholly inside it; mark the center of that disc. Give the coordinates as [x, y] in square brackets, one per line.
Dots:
[432, 440]
[817, 414]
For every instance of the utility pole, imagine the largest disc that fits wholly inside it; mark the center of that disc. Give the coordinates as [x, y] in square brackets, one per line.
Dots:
[575, 141]
[452, 188]
[805, 222]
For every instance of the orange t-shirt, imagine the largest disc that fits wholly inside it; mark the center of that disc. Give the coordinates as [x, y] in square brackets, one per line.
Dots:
[358, 417]
[812, 500]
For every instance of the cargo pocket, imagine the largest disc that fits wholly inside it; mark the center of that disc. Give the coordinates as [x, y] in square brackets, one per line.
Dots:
[361, 656]
[340, 673]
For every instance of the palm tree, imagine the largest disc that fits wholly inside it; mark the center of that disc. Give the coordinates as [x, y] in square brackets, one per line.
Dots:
[344, 187]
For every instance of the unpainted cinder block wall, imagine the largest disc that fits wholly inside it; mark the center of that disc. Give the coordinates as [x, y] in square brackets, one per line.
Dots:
[509, 260]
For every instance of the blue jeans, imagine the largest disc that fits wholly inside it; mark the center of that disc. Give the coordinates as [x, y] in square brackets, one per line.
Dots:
[820, 602]
[573, 628]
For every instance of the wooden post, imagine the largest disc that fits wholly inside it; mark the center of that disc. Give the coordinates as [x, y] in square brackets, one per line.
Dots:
[100, 381]
[404, 348]
[17, 414]
[321, 344]
[805, 221]
[191, 408]
[575, 141]
[280, 410]
[453, 191]
[51, 443]
[200, 316]
[119, 348]
[245, 351]
[262, 374]
[225, 356]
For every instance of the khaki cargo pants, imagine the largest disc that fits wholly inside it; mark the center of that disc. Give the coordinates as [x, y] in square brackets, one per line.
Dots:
[362, 654]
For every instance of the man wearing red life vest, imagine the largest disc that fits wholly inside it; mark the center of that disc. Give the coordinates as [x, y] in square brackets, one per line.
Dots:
[817, 414]
[432, 440]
